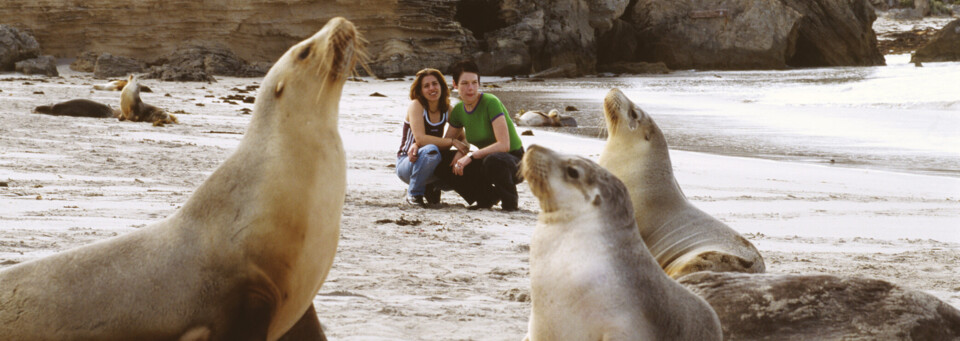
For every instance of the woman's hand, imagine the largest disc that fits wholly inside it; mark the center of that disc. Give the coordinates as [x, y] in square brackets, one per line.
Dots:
[412, 152]
[460, 145]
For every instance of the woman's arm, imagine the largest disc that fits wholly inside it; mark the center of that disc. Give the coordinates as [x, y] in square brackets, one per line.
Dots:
[414, 116]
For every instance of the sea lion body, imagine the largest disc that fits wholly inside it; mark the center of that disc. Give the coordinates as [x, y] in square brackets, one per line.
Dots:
[245, 255]
[133, 109]
[680, 236]
[79, 108]
[591, 276]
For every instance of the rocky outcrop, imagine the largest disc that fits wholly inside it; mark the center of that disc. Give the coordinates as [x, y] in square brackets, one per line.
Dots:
[43, 65]
[85, 62]
[505, 37]
[944, 47]
[750, 34]
[201, 64]
[821, 307]
[835, 33]
[109, 66]
[16, 46]
[730, 34]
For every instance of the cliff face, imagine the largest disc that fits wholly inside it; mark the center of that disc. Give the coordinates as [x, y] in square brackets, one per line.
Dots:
[256, 30]
[505, 37]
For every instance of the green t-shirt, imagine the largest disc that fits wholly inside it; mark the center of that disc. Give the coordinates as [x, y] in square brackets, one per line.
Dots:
[478, 123]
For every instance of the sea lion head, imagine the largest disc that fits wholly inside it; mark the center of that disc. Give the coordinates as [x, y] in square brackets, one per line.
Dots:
[310, 75]
[626, 119]
[574, 184]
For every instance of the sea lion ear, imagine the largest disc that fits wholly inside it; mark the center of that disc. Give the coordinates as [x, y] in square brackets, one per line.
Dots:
[279, 90]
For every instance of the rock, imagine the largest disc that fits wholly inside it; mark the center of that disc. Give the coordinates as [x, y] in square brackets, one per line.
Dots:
[109, 66]
[85, 62]
[736, 34]
[835, 33]
[16, 46]
[200, 63]
[635, 68]
[821, 307]
[43, 65]
[943, 47]
[748, 34]
[565, 70]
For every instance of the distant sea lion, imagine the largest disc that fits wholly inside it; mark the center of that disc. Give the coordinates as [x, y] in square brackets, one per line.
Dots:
[243, 258]
[117, 85]
[78, 108]
[683, 238]
[591, 276]
[541, 119]
[822, 307]
[133, 109]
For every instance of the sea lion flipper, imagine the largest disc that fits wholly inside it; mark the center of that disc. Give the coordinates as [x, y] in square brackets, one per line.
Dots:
[716, 261]
[308, 328]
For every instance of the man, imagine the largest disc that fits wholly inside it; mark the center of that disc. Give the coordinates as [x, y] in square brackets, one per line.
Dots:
[489, 174]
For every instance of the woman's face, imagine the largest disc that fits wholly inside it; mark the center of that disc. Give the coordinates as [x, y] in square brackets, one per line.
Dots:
[430, 88]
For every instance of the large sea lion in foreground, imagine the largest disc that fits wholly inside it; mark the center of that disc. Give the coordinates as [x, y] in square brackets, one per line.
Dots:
[591, 276]
[133, 109]
[683, 238]
[822, 307]
[78, 108]
[243, 258]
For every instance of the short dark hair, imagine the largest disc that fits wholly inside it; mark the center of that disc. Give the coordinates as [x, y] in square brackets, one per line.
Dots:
[464, 66]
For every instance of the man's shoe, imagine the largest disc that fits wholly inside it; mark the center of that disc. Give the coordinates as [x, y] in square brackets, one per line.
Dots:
[481, 205]
[509, 208]
[432, 195]
[415, 200]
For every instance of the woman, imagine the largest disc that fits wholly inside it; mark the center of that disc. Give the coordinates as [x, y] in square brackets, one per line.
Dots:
[489, 174]
[422, 141]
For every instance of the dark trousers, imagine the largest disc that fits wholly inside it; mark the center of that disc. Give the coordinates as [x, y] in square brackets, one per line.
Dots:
[487, 181]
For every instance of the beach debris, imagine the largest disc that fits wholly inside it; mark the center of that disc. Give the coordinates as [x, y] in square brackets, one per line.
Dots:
[377, 94]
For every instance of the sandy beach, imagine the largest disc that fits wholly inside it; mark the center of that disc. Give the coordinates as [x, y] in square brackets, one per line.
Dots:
[405, 273]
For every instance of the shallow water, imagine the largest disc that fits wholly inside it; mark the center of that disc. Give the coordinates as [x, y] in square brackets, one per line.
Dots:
[896, 117]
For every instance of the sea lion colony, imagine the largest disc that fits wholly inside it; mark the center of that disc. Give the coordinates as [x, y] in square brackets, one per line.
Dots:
[254, 274]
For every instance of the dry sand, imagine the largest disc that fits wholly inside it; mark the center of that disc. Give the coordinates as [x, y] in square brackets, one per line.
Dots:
[442, 274]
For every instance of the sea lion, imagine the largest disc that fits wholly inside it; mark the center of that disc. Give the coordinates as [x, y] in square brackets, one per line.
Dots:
[133, 109]
[591, 276]
[243, 258]
[683, 238]
[114, 85]
[822, 307]
[78, 108]
[541, 119]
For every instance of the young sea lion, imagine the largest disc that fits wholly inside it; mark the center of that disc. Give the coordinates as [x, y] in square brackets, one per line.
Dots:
[591, 276]
[133, 109]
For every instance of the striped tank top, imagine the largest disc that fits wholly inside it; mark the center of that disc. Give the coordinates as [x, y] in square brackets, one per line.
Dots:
[432, 129]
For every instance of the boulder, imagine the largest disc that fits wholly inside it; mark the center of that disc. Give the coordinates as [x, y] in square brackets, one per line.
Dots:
[43, 65]
[821, 307]
[200, 63]
[109, 66]
[729, 34]
[85, 62]
[749, 34]
[16, 46]
[835, 33]
[943, 47]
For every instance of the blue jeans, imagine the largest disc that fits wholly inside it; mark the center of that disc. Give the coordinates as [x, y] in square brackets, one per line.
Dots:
[419, 173]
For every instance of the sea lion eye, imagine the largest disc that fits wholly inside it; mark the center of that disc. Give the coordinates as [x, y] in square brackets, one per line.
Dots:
[573, 173]
[305, 53]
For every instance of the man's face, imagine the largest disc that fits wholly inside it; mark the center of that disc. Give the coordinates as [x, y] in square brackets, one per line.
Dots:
[469, 87]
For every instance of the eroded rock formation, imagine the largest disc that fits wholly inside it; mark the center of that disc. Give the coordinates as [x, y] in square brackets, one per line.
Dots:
[506, 37]
[944, 47]
[16, 46]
